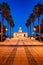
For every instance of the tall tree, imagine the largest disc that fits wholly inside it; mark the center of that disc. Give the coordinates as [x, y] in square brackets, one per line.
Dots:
[32, 19]
[5, 10]
[11, 22]
[38, 11]
[42, 26]
[29, 21]
[5, 14]
[28, 25]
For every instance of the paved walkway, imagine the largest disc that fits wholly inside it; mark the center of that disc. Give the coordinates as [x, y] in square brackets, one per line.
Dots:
[21, 54]
[26, 41]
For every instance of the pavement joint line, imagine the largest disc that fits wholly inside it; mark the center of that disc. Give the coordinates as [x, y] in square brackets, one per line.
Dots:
[18, 45]
[30, 57]
[11, 57]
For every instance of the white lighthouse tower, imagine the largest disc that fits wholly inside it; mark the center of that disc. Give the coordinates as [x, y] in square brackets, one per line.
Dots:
[20, 29]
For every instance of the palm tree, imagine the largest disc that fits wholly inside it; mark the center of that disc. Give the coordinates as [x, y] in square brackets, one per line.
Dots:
[10, 20]
[28, 24]
[5, 14]
[5, 10]
[38, 11]
[42, 26]
[42, 21]
[32, 19]
[4, 31]
[29, 21]
[12, 24]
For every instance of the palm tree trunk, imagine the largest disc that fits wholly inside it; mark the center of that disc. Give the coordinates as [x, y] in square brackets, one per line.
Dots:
[30, 31]
[33, 29]
[7, 31]
[2, 28]
[39, 27]
[10, 32]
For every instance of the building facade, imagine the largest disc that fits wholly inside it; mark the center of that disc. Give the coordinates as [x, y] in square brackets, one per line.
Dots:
[20, 34]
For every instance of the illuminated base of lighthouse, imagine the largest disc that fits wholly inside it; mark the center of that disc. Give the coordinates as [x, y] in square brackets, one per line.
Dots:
[20, 34]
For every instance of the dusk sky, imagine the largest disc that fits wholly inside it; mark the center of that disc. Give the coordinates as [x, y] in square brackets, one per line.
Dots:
[20, 11]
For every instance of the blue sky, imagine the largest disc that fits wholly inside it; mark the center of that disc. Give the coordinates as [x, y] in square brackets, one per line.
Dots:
[20, 11]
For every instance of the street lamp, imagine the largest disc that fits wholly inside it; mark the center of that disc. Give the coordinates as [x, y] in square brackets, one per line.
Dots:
[6, 29]
[34, 28]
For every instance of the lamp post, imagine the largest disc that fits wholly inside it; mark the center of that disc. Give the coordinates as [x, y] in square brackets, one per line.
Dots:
[2, 28]
[6, 29]
[34, 29]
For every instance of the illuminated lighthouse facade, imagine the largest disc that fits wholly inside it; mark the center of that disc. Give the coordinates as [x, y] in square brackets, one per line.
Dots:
[20, 34]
